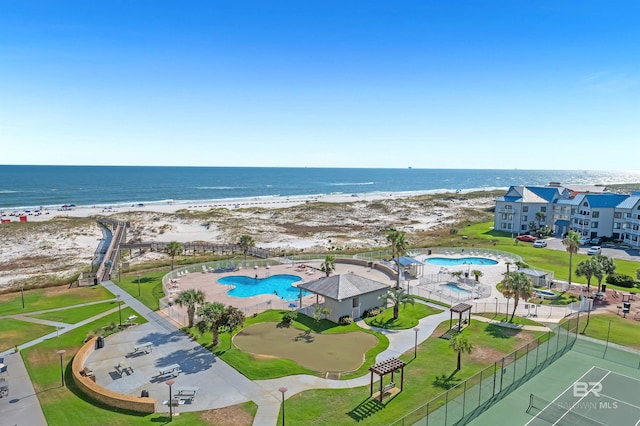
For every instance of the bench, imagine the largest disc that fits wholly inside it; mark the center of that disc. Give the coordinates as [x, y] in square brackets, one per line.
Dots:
[172, 370]
[388, 387]
[87, 372]
[145, 347]
[187, 393]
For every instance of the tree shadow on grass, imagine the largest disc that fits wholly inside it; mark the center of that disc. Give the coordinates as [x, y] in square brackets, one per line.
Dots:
[365, 409]
[500, 332]
[446, 382]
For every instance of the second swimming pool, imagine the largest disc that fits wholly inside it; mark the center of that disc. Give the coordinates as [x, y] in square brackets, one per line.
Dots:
[279, 285]
[446, 261]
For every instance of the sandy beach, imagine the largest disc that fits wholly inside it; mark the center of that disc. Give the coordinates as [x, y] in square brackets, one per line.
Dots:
[62, 242]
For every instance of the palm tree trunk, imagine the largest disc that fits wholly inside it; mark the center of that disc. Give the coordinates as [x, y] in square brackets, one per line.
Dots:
[396, 310]
[515, 305]
[216, 336]
[459, 360]
[172, 263]
[570, 266]
[191, 311]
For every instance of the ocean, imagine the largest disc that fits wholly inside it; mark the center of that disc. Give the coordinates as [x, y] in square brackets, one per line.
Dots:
[103, 186]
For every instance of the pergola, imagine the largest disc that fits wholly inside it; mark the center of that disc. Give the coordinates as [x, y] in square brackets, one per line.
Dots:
[460, 308]
[383, 368]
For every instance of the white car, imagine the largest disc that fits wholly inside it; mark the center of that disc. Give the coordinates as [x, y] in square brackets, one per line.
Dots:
[540, 243]
[594, 250]
[584, 240]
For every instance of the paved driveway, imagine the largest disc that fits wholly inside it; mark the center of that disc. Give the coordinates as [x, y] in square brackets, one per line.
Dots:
[607, 249]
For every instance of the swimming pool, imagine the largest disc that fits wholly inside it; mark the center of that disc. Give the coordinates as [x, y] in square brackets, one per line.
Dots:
[453, 288]
[445, 261]
[279, 285]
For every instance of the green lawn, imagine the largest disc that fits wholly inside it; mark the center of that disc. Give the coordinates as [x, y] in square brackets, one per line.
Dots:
[482, 236]
[150, 286]
[52, 297]
[624, 331]
[408, 317]
[353, 406]
[77, 314]
[68, 406]
[516, 319]
[14, 332]
[256, 368]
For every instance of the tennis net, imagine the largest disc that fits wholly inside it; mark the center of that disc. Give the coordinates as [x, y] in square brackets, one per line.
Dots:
[557, 414]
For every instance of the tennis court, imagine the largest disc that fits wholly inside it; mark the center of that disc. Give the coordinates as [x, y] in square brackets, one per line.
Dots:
[598, 397]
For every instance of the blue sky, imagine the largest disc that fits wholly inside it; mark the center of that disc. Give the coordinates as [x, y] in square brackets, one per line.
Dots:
[427, 84]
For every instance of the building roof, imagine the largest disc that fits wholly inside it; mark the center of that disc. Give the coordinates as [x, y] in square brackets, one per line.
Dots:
[630, 202]
[530, 194]
[343, 286]
[406, 261]
[605, 200]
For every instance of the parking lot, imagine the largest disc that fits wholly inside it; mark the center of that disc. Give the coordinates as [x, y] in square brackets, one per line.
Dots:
[609, 250]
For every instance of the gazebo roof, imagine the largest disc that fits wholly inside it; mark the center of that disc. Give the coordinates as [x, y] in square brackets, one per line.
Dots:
[343, 286]
[387, 366]
[461, 307]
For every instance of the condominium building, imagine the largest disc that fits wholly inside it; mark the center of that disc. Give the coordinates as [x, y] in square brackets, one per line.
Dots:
[590, 210]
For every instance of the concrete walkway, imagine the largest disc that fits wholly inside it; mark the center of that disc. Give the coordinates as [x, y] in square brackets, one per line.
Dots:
[22, 407]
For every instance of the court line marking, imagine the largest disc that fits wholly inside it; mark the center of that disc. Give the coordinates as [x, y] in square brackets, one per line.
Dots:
[561, 393]
[582, 397]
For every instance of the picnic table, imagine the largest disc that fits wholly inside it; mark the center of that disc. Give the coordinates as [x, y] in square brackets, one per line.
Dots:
[124, 367]
[145, 347]
[172, 370]
[186, 392]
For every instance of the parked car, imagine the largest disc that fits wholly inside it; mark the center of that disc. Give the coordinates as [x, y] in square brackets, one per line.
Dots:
[527, 238]
[594, 250]
[540, 244]
[595, 241]
[584, 240]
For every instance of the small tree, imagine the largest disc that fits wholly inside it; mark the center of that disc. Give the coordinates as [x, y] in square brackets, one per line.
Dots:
[174, 248]
[190, 298]
[477, 274]
[606, 266]
[519, 286]
[329, 265]
[587, 268]
[232, 319]
[246, 243]
[320, 311]
[460, 343]
[211, 319]
[397, 298]
[540, 216]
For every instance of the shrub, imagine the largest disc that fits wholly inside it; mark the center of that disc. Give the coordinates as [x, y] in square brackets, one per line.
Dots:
[373, 312]
[621, 280]
[345, 320]
[289, 316]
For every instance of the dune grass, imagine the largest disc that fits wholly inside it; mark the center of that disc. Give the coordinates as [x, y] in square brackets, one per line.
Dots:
[408, 317]
[423, 379]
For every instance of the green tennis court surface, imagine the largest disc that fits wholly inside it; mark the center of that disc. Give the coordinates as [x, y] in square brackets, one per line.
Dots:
[598, 397]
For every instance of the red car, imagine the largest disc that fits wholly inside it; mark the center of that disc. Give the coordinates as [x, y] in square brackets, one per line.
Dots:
[527, 238]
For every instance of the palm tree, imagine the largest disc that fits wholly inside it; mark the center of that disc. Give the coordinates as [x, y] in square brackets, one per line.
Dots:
[397, 297]
[173, 249]
[329, 265]
[587, 268]
[320, 311]
[572, 243]
[246, 243]
[211, 319]
[605, 267]
[190, 298]
[460, 343]
[519, 286]
[399, 246]
[477, 274]
[540, 216]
